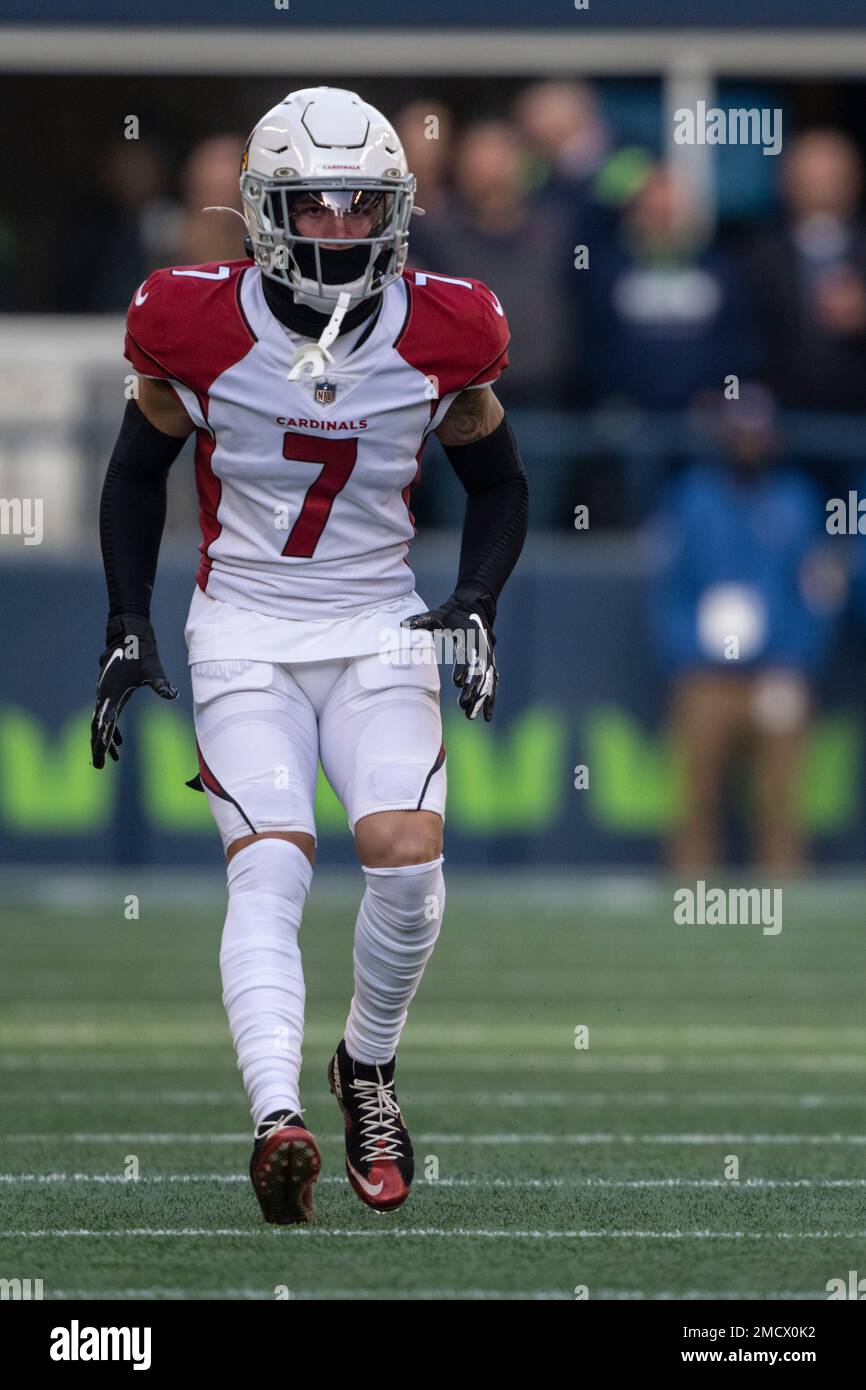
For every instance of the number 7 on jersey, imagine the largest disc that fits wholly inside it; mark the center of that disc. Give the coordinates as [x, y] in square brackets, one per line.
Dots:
[338, 457]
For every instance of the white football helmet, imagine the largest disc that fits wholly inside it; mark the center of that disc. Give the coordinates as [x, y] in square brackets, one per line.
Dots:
[328, 145]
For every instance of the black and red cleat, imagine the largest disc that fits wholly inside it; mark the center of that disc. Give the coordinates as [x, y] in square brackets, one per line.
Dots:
[380, 1163]
[284, 1166]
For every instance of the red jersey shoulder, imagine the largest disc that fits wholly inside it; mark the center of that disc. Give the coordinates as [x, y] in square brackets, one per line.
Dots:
[186, 323]
[455, 331]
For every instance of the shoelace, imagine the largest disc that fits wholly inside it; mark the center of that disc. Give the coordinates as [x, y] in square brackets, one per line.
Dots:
[274, 1125]
[379, 1120]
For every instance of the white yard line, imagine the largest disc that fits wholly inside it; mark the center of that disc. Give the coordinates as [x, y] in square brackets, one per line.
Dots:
[488, 1100]
[506, 1184]
[515, 1137]
[347, 1295]
[432, 1295]
[420, 1232]
[510, 1138]
[578, 1063]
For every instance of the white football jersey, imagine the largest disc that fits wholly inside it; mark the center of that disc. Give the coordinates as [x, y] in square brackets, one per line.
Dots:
[304, 486]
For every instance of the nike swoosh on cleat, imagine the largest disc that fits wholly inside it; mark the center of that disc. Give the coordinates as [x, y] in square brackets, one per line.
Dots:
[368, 1187]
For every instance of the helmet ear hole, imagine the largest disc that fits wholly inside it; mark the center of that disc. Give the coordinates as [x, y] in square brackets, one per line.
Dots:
[248, 247]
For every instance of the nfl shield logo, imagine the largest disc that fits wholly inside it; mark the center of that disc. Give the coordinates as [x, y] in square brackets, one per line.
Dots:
[326, 392]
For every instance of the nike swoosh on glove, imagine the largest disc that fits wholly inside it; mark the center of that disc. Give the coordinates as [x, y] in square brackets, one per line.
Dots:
[129, 661]
[466, 619]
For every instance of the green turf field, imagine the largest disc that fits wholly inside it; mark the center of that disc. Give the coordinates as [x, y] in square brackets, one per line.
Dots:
[557, 1167]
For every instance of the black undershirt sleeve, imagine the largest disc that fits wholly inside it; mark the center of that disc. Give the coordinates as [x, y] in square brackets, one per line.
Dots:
[132, 510]
[497, 511]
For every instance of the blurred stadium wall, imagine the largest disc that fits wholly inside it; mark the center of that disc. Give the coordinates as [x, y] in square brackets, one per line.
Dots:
[584, 684]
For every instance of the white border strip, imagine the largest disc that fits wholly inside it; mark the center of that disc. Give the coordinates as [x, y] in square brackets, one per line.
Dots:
[422, 52]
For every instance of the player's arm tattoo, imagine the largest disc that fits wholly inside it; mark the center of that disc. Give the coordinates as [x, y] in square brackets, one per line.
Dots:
[473, 415]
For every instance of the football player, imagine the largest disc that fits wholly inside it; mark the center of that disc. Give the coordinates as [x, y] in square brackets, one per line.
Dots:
[312, 372]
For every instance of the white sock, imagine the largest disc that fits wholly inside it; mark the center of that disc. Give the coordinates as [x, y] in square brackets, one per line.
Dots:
[260, 963]
[398, 923]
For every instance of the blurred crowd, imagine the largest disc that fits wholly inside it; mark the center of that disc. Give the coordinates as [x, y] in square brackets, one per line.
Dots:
[620, 300]
[656, 311]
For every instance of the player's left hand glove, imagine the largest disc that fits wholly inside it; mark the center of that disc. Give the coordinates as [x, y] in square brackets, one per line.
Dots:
[468, 620]
[129, 661]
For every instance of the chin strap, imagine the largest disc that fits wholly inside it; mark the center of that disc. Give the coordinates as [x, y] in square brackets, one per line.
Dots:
[312, 360]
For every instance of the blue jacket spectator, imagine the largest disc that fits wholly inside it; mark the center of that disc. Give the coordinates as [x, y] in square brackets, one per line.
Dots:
[744, 547]
[663, 318]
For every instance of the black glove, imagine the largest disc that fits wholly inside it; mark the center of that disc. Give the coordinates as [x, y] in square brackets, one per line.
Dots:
[467, 616]
[130, 660]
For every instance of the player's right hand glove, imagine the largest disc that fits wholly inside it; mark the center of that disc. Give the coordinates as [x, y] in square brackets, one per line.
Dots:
[130, 660]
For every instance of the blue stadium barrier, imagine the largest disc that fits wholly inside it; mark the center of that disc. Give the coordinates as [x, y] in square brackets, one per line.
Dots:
[580, 687]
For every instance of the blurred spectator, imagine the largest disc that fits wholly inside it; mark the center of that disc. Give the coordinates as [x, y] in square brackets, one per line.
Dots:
[210, 179]
[810, 277]
[574, 160]
[489, 229]
[130, 231]
[665, 316]
[426, 128]
[562, 124]
[743, 613]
